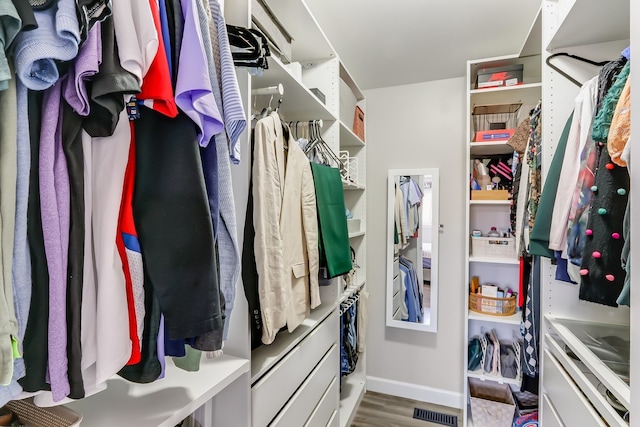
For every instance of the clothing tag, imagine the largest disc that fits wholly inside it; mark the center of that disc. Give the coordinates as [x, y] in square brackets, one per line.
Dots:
[132, 108]
[14, 347]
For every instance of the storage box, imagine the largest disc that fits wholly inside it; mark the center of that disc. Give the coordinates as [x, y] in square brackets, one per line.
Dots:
[318, 93]
[493, 247]
[265, 20]
[493, 135]
[508, 75]
[31, 415]
[489, 195]
[353, 225]
[491, 404]
[358, 123]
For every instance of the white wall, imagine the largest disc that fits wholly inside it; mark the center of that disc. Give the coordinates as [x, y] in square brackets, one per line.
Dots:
[417, 126]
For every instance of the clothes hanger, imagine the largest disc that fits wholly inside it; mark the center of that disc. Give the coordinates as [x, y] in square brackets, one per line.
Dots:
[576, 57]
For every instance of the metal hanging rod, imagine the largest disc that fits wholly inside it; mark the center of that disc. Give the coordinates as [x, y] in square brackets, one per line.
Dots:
[271, 90]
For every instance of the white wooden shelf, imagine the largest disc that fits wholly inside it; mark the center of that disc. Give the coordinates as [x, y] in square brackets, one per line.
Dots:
[533, 43]
[479, 374]
[514, 319]
[356, 234]
[309, 41]
[345, 76]
[162, 403]
[265, 357]
[353, 389]
[348, 138]
[487, 260]
[490, 202]
[528, 94]
[527, 86]
[490, 148]
[299, 103]
[606, 20]
[350, 187]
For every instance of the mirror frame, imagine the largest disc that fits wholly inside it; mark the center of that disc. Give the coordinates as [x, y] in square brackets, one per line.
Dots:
[435, 231]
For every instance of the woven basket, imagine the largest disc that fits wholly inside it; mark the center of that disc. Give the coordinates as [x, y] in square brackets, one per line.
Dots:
[492, 306]
[34, 416]
[493, 247]
[491, 404]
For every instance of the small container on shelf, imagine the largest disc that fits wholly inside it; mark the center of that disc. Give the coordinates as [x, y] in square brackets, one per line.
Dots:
[489, 194]
[492, 404]
[493, 306]
[494, 122]
[493, 247]
[507, 75]
[358, 123]
[56, 416]
[353, 225]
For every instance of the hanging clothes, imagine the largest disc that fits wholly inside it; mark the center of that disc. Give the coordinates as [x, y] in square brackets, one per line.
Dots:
[349, 335]
[335, 251]
[8, 177]
[539, 240]
[286, 229]
[107, 226]
[601, 269]
[579, 137]
[413, 291]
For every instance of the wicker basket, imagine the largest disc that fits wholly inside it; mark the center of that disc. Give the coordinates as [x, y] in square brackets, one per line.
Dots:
[31, 415]
[492, 306]
[491, 404]
[493, 247]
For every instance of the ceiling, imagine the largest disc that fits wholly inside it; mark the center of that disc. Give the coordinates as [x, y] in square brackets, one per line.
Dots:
[385, 43]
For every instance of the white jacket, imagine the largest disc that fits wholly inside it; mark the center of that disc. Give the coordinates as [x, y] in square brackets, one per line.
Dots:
[286, 230]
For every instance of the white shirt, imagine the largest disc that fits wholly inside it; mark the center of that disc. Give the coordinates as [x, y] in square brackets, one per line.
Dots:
[579, 136]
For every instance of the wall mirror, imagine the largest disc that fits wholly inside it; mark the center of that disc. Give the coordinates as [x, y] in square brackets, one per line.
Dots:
[412, 249]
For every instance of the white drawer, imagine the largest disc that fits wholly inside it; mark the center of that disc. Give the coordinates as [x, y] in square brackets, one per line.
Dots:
[274, 389]
[328, 405]
[396, 284]
[299, 408]
[334, 421]
[550, 417]
[574, 409]
[396, 267]
[589, 389]
[397, 301]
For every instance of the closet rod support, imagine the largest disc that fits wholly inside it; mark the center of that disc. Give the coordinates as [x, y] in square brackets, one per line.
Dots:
[271, 90]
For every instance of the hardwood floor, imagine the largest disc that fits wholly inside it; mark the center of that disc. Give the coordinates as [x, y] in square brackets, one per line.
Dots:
[381, 410]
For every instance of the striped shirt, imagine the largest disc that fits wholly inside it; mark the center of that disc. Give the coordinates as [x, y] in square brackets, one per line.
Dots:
[233, 113]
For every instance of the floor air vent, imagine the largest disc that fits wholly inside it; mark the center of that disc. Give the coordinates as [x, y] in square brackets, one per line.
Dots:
[435, 417]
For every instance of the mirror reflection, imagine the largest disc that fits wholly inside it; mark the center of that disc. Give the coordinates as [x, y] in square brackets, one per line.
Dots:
[412, 249]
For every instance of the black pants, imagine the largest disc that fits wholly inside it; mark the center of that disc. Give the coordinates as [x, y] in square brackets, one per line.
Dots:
[173, 221]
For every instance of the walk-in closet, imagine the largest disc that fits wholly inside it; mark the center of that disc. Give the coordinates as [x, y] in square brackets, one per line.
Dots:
[318, 213]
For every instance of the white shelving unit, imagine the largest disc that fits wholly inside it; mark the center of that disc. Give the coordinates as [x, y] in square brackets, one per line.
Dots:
[163, 403]
[483, 214]
[494, 378]
[514, 319]
[350, 96]
[573, 383]
[318, 392]
[493, 260]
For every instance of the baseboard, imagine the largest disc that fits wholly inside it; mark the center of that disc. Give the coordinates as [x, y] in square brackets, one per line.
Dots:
[415, 392]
